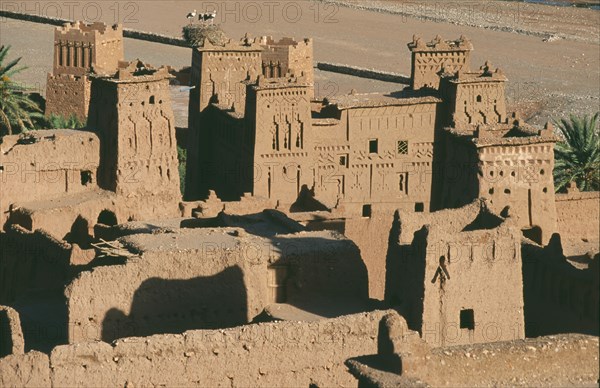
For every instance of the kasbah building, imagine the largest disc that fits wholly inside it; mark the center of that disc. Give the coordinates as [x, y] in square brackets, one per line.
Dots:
[363, 239]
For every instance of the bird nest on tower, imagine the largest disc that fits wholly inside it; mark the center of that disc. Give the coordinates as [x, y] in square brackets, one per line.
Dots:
[196, 34]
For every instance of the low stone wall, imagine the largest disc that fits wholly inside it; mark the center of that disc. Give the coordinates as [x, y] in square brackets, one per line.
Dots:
[269, 354]
[577, 214]
[364, 73]
[127, 32]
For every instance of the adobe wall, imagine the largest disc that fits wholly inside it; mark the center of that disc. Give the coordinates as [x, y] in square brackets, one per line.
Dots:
[577, 215]
[209, 278]
[31, 369]
[561, 296]
[520, 176]
[394, 174]
[53, 166]
[11, 335]
[364, 73]
[559, 360]
[267, 354]
[58, 216]
[68, 95]
[455, 260]
[484, 275]
[371, 235]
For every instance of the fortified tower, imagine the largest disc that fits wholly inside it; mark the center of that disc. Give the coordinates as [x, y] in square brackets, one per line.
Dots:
[476, 97]
[428, 59]
[279, 114]
[217, 76]
[132, 113]
[287, 56]
[80, 49]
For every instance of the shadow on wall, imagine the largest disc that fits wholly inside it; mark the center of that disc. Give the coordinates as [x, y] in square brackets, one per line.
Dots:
[404, 287]
[306, 201]
[163, 306]
[558, 297]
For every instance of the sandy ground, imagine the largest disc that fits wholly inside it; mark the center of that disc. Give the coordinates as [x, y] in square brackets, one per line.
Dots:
[546, 78]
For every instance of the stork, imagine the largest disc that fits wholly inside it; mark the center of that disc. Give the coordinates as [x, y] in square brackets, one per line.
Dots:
[191, 16]
[208, 16]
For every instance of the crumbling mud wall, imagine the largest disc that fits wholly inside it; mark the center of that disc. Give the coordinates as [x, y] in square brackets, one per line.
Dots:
[557, 361]
[268, 354]
[210, 278]
[45, 165]
[578, 213]
[371, 235]
[458, 283]
[31, 369]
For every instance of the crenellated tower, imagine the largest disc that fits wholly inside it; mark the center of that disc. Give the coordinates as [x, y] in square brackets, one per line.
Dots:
[131, 111]
[429, 59]
[80, 49]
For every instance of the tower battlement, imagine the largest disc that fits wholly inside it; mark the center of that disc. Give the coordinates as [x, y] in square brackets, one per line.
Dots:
[429, 59]
[79, 50]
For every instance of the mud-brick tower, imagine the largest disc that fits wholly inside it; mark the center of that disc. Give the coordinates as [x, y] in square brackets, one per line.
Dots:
[476, 97]
[279, 114]
[429, 59]
[287, 56]
[219, 72]
[80, 49]
[132, 113]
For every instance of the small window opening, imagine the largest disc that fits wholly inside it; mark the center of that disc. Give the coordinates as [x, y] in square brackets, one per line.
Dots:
[467, 319]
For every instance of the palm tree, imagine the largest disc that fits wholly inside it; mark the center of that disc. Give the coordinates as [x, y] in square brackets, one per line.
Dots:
[577, 155]
[62, 122]
[17, 110]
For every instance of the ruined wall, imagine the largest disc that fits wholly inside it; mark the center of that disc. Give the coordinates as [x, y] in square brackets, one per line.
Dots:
[372, 235]
[557, 360]
[577, 214]
[271, 354]
[57, 163]
[461, 282]
[25, 370]
[561, 296]
[209, 279]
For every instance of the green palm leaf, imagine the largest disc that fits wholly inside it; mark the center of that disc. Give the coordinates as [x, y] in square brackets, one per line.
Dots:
[577, 155]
